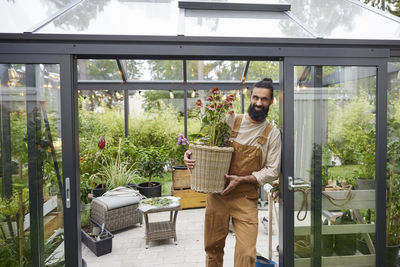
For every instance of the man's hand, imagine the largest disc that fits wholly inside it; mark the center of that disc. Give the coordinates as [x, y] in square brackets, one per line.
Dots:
[233, 181]
[188, 162]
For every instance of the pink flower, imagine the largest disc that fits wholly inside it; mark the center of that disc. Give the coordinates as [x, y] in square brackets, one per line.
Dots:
[198, 103]
[231, 112]
[219, 105]
[230, 97]
[210, 98]
[215, 91]
[211, 107]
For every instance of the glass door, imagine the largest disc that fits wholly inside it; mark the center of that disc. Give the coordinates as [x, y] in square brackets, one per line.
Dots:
[33, 199]
[332, 167]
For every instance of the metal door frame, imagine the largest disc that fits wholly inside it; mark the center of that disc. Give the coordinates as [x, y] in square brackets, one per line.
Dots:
[286, 211]
[70, 166]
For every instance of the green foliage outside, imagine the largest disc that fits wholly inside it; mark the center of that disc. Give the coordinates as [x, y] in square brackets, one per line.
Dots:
[351, 135]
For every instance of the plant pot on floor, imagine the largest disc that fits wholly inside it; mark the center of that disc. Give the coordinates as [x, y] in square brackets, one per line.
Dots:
[392, 255]
[99, 190]
[152, 189]
[98, 247]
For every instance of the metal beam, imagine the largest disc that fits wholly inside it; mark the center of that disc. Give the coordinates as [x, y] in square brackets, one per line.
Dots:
[164, 40]
[70, 155]
[380, 162]
[5, 122]
[35, 174]
[214, 5]
[188, 51]
[122, 70]
[159, 85]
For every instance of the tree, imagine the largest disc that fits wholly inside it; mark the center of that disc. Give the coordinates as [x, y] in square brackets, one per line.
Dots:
[393, 6]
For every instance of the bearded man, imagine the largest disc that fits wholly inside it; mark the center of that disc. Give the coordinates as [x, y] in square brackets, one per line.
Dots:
[255, 161]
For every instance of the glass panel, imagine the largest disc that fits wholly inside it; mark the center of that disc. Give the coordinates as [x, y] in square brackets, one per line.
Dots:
[31, 210]
[334, 145]
[344, 19]
[156, 117]
[98, 69]
[259, 69]
[241, 24]
[20, 16]
[159, 17]
[101, 129]
[216, 70]
[393, 157]
[153, 70]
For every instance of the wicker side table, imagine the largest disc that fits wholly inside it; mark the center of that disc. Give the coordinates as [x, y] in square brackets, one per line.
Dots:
[163, 229]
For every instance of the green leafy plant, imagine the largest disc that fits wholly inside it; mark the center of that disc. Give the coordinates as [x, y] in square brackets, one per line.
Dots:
[214, 129]
[151, 161]
[393, 181]
[116, 172]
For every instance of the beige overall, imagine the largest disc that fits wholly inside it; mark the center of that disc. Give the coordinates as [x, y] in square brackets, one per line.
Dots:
[240, 204]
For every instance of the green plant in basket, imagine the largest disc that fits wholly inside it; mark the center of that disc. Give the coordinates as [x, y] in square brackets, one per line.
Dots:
[214, 130]
[212, 147]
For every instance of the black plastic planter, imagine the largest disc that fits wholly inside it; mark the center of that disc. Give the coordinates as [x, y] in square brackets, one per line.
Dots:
[100, 247]
[150, 191]
[99, 190]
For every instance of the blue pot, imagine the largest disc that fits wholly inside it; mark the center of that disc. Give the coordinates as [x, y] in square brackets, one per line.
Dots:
[264, 262]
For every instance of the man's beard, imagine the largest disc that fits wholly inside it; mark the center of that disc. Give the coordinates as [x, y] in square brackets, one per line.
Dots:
[257, 115]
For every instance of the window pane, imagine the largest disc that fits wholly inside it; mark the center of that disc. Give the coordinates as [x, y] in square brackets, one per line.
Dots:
[153, 70]
[21, 15]
[261, 69]
[241, 24]
[344, 19]
[215, 70]
[334, 146]
[118, 17]
[98, 69]
[31, 206]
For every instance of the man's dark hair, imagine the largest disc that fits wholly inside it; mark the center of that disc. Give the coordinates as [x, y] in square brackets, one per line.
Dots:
[266, 83]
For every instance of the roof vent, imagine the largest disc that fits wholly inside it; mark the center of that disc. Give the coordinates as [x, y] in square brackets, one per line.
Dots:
[217, 5]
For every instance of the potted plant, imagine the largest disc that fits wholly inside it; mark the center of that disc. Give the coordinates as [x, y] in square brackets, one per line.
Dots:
[211, 152]
[180, 173]
[116, 172]
[151, 162]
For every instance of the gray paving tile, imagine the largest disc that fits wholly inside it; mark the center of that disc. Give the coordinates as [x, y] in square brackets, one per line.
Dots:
[129, 245]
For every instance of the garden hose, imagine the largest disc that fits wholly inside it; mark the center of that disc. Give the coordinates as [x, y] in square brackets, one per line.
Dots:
[304, 204]
[346, 199]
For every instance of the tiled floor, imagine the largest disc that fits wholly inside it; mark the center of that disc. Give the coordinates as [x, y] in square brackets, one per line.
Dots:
[129, 245]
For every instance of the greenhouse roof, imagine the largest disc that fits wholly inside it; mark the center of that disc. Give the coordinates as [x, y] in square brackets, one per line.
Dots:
[306, 19]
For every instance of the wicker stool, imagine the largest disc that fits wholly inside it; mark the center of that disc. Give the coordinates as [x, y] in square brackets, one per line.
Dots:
[116, 212]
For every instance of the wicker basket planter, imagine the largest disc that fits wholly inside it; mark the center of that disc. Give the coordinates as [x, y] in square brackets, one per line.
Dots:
[211, 165]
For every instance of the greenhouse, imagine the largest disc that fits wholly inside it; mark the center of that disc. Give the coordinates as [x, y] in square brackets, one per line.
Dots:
[91, 86]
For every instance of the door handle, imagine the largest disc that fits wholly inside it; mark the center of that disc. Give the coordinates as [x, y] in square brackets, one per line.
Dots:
[294, 186]
[67, 193]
